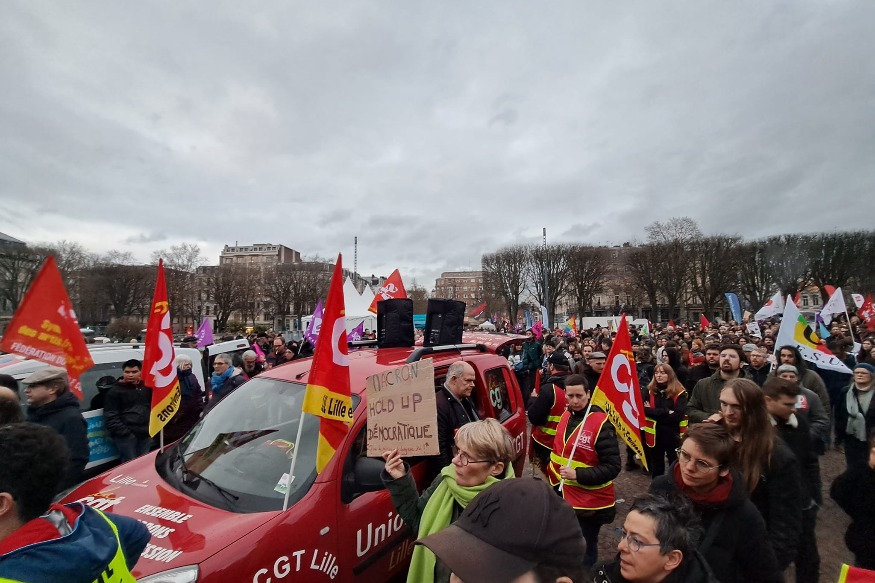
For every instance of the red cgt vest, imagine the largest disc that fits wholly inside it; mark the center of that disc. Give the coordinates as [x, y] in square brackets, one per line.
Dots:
[545, 434]
[579, 496]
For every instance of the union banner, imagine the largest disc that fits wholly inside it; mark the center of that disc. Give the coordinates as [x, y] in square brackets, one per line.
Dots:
[159, 359]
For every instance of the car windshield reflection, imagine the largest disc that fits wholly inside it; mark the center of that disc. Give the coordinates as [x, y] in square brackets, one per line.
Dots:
[238, 457]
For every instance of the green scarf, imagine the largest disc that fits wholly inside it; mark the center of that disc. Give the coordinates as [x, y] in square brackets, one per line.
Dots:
[438, 513]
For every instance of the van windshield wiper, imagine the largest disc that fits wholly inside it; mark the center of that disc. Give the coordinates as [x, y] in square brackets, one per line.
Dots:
[188, 472]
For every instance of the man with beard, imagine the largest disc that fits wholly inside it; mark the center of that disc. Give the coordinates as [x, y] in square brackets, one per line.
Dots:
[706, 369]
[705, 399]
[251, 366]
[758, 369]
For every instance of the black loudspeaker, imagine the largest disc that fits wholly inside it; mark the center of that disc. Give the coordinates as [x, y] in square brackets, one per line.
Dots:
[444, 322]
[394, 323]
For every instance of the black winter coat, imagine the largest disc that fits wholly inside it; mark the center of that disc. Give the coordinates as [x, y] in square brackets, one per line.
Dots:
[63, 416]
[667, 412]
[854, 491]
[735, 542]
[126, 409]
[778, 496]
[538, 407]
[798, 439]
[695, 570]
[451, 414]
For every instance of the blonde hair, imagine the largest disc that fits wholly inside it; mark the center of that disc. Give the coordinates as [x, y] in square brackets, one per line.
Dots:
[488, 440]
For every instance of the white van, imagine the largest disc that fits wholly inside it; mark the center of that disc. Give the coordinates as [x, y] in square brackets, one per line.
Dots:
[108, 361]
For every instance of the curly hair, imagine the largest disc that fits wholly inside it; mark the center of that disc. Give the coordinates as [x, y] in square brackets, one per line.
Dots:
[33, 461]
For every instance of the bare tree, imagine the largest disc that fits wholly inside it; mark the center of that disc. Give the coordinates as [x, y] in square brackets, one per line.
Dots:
[311, 284]
[125, 286]
[787, 256]
[18, 266]
[547, 274]
[643, 263]
[864, 279]
[587, 270]
[504, 276]
[180, 268]
[754, 275]
[672, 243]
[835, 258]
[713, 269]
[419, 295]
[280, 282]
[224, 287]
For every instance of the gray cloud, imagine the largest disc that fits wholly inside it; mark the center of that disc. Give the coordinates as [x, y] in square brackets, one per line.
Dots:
[434, 132]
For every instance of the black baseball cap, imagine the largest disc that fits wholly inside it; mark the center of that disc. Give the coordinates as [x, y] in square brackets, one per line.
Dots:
[508, 530]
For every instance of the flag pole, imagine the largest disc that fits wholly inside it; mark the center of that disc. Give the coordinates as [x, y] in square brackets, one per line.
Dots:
[161, 441]
[576, 439]
[294, 460]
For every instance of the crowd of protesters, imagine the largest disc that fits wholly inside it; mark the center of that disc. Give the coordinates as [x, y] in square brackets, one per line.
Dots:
[738, 422]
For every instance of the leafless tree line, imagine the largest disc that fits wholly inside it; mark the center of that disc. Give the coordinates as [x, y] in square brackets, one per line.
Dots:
[677, 265]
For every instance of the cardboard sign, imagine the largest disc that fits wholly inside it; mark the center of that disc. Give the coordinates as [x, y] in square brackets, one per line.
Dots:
[402, 412]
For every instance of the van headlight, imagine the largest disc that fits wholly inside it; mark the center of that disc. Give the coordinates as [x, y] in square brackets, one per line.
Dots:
[179, 575]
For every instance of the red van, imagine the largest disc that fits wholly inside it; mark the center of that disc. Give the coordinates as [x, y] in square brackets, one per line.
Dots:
[213, 501]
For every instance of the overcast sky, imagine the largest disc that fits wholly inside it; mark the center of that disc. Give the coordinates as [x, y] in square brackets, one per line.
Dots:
[433, 131]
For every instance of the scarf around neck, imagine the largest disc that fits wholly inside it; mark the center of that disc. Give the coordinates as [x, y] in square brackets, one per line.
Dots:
[217, 380]
[857, 403]
[438, 513]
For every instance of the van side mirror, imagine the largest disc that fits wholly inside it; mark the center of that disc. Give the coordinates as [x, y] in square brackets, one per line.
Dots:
[365, 477]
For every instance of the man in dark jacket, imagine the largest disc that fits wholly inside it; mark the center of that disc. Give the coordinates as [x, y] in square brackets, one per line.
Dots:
[530, 363]
[50, 403]
[758, 370]
[126, 412]
[781, 395]
[454, 407]
[707, 368]
[705, 399]
[546, 407]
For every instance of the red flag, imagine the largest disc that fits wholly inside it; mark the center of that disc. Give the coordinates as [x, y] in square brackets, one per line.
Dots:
[328, 394]
[45, 328]
[829, 289]
[618, 394]
[850, 574]
[867, 312]
[477, 311]
[393, 289]
[671, 324]
[703, 322]
[159, 359]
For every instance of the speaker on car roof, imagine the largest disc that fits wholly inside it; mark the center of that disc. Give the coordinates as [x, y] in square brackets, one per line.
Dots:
[394, 323]
[444, 322]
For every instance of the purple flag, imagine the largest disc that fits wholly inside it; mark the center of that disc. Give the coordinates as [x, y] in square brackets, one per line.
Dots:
[357, 333]
[204, 334]
[315, 325]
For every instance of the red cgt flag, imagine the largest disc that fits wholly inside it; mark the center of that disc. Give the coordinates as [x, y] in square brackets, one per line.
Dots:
[159, 359]
[393, 289]
[618, 394]
[850, 574]
[328, 394]
[45, 328]
[703, 322]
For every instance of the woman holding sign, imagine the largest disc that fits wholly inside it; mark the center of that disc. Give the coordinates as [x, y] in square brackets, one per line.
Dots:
[585, 460]
[481, 457]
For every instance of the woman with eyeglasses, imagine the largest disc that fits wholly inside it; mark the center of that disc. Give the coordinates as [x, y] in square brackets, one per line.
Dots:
[657, 545]
[767, 466]
[482, 456]
[734, 541]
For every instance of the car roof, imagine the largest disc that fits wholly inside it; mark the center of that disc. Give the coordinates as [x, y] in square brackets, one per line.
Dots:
[367, 361]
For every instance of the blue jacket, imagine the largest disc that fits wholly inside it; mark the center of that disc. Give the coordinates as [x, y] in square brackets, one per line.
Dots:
[80, 555]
